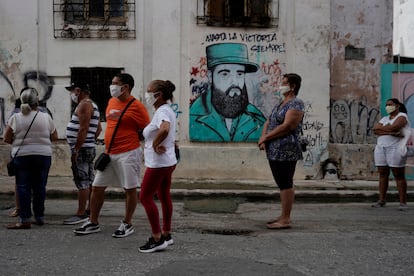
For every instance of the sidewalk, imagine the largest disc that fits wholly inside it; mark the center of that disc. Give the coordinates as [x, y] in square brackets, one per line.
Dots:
[305, 190]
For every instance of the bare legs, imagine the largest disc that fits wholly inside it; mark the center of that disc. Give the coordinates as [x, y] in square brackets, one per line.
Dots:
[83, 198]
[287, 197]
[130, 204]
[97, 200]
[399, 175]
[384, 173]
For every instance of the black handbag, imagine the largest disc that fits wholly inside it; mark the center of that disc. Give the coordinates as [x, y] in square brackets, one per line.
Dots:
[11, 167]
[103, 159]
[303, 141]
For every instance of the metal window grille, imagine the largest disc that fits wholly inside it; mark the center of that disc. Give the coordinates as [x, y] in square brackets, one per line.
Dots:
[101, 19]
[99, 79]
[238, 13]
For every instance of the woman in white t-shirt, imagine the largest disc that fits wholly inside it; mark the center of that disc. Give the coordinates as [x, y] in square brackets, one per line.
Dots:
[160, 160]
[31, 134]
[387, 154]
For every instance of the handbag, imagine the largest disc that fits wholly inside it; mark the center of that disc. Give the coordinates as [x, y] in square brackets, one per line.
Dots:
[406, 142]
[104, 158]
[177, 152]
[303, 141]
[102, 161]
[11, 166]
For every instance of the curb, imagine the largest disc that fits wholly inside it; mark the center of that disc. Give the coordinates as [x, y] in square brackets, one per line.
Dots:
[248, 190]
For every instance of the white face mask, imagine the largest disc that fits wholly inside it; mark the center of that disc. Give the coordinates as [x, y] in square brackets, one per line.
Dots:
[150, 98]
[390, 109]
[284, 89]
[115, 90]
[74, 98]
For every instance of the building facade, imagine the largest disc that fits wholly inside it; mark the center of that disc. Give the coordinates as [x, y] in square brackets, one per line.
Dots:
[337, 47]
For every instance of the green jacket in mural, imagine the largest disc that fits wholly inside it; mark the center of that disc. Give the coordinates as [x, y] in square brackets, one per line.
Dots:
[206, 125]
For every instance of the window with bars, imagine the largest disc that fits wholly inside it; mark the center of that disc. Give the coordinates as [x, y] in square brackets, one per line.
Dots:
[235, 13]
[80, 11]
[107, 19]
[99, 80]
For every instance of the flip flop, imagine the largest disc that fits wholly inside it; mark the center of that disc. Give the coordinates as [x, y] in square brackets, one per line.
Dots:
[273, 220]
[277, 226]
[15, 213]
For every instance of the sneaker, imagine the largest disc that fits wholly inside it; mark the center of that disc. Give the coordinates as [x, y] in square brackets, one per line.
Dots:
[76, 219]
[152, 245]
[87, 228]
[38, 222]
[124, 230]
[403, 207]
[378, 204]
[169, 239]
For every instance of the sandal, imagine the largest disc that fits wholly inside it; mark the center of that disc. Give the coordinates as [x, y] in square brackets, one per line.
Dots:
[378, 204]
[15, 213]
[19, 225]
[273, 220]
[278, 226]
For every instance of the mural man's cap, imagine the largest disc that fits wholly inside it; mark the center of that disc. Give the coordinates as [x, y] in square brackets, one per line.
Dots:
[229, 53]
[78, 84]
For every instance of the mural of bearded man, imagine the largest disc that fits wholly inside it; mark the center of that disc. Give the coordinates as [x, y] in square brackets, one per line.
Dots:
[223, 113]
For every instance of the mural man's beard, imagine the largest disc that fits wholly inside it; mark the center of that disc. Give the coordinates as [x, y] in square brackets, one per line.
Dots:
[227, 106]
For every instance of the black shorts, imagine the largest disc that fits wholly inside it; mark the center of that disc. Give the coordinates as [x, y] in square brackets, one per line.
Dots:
[283, 172]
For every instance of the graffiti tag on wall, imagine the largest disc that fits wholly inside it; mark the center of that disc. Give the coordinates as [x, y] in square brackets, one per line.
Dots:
[39, 80]
[352, 122]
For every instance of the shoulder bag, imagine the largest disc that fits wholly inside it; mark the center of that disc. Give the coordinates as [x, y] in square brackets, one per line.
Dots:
[103, 159]
[11, 167]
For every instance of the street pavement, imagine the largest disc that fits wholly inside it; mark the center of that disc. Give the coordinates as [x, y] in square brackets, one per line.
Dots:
[220, 232]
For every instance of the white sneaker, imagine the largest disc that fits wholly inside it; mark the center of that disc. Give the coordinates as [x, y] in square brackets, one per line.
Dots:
[124, 230]
[87, 228]
[403, 207]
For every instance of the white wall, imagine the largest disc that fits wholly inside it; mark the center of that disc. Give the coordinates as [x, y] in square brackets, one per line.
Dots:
[168, 44]
[403, 42]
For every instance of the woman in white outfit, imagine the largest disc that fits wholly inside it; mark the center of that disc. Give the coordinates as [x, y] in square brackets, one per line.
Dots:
[387, 154]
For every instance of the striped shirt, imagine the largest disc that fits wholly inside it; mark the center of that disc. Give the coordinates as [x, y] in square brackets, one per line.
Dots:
[72, 129]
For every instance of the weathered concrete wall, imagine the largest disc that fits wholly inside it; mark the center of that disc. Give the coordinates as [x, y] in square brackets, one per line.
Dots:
[341, 95]
[361, 42]
[300, 44]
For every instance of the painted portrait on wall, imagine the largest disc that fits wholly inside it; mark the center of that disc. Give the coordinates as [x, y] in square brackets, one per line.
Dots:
[223, 112]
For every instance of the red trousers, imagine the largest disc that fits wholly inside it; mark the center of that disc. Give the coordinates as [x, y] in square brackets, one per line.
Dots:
[157, 181]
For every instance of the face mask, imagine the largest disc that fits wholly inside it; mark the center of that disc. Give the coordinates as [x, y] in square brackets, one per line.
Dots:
[115, 90]
[150, 98]
[284, 89]
[74, 97]
[390, 109]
